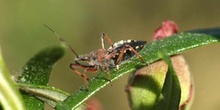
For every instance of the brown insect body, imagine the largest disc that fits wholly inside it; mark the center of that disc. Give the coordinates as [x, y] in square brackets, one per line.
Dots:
[104, 58]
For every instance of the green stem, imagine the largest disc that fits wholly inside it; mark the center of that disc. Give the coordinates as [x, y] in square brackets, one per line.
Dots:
[9, 95]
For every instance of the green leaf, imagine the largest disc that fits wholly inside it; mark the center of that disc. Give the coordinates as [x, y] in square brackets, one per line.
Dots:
[171, 92]
[37, 71]
[47, 94]
[171, 46]
[10, 97]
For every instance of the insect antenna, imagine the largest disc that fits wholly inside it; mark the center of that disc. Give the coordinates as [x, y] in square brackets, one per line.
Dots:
[62, 40]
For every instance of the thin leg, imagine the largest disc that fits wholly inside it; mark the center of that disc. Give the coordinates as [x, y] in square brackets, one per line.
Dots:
[87, 69]
[78, 65]
[121, 55]
[85, 79]
[76, 71]
[123, 52]
[108, 72]
[104, 36]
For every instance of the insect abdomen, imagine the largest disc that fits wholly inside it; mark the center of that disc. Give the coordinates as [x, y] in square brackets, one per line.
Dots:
[118, 46]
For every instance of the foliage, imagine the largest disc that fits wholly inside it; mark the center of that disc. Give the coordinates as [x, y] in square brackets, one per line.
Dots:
[35, 74]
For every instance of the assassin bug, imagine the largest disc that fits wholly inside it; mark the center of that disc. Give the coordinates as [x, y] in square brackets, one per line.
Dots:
[103, 59]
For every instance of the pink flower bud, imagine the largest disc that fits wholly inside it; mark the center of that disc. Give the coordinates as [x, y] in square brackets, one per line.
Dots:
[145, 85]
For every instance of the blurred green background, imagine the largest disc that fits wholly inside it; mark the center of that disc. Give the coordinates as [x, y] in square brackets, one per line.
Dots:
[80, 22]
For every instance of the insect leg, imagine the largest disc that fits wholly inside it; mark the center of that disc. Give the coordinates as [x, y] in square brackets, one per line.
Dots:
[124, 50]
[86, 69]
[89, 69]
[107, 71]
[104, 36]
[120, 55]
[85, 79]
[73, 66]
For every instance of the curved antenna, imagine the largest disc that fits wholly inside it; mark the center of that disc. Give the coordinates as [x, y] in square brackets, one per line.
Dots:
[62, 40]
